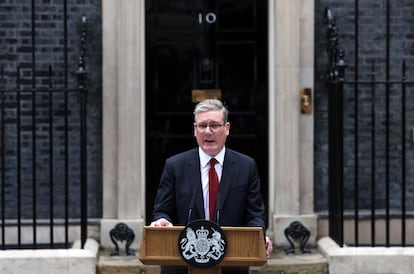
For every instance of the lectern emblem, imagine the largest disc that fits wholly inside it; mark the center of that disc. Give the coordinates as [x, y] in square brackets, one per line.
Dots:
[202, 244]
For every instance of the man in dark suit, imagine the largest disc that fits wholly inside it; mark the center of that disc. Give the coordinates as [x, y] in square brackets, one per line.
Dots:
[186, 178]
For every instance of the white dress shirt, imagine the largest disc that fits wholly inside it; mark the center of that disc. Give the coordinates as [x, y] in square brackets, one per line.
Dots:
[204, 167]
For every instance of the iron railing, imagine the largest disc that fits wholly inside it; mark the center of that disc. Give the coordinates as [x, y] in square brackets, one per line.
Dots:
[43, 156]
[378, 161]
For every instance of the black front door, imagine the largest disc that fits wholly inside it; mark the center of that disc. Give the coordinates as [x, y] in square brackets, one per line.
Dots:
[204, 48]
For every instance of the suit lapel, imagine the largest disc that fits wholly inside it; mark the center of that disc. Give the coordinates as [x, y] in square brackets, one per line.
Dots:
[227, 175]
[193, 165]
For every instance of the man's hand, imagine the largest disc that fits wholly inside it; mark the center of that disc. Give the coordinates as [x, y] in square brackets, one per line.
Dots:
[161, 222]
[269, 247]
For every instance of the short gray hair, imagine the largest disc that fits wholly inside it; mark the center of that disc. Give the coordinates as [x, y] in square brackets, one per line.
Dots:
[211, 104]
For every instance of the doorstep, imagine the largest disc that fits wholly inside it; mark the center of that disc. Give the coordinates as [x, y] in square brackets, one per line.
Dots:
[279, 263]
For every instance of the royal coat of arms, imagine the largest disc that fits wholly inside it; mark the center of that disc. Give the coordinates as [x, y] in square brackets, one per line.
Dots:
[202, 244]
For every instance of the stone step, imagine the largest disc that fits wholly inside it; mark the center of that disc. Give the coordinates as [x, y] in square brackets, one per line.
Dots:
[279, 263]
[124, 265]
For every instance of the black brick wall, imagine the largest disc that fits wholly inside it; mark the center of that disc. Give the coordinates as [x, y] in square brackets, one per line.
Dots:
[16, 40]
[372, 47]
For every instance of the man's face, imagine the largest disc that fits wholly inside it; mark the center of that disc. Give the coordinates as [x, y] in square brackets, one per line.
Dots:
[212, 138]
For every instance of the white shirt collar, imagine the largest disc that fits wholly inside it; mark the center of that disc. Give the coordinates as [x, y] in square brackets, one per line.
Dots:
[205, 159]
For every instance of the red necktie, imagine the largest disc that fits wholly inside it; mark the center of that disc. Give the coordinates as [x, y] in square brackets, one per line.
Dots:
[213, 185]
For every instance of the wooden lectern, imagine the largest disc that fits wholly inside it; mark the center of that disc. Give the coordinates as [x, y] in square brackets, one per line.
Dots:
[245, 247]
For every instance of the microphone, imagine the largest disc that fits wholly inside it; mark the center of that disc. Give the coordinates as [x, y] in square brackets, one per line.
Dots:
[218, 208]
[192, 201]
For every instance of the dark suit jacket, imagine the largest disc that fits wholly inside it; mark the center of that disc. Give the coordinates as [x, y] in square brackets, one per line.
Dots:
[240, 201]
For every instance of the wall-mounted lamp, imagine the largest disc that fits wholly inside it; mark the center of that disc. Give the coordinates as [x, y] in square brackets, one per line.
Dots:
[306, 100]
